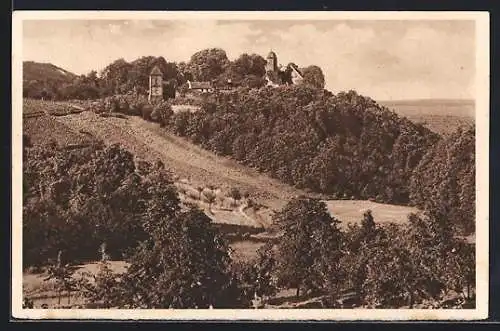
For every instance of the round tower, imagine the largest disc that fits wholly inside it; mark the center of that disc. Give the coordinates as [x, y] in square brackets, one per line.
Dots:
[272, 62]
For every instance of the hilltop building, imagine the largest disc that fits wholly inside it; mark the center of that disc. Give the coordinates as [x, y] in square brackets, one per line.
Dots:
[155, 94]
[159, 89]
[204, 87]
[277, 75]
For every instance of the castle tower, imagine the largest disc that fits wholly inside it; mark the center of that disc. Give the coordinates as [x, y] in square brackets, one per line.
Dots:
[272, 62]
[155, 85]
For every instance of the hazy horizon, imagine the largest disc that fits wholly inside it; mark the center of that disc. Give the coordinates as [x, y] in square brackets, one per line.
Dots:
[385, 60]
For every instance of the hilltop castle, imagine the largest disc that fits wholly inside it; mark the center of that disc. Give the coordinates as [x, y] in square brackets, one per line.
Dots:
[277, 74]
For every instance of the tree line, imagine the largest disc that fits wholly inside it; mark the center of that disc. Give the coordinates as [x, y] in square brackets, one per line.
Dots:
[122, 77]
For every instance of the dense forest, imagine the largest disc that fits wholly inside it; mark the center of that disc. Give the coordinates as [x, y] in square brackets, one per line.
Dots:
[444, 180]
[343, 145]
[102, 202]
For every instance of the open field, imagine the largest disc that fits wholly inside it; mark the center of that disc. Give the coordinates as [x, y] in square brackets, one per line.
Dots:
[441, 116]
[42, 291]
[351, 211]
[56, 108]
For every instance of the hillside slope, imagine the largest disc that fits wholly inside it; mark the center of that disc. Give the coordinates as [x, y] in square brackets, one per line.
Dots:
[147, 140]
[35, 71]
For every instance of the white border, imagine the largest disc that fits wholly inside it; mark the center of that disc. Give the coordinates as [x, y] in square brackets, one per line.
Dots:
[482, 171]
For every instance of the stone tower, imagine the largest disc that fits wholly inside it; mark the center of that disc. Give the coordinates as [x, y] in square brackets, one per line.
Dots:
[155, 85]
[272, 62]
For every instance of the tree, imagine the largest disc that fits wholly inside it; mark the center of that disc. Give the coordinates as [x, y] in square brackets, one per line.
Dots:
[368, 227]
[162, 112]
[105, 289]
[63, 275]
[200, 190]
[310, 245]
[255, 279]
[313, 75]
[74, 200]
[210, 198]
[183, 264]
[235, 194]
[444, 180]
[208, 64]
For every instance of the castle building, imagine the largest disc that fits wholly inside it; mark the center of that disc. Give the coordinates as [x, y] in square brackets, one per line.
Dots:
[272, 62]
[155, 94]
[281, 75]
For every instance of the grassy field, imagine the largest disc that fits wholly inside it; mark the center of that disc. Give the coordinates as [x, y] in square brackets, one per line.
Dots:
[351, 211]
[441, 116]
[42, 291]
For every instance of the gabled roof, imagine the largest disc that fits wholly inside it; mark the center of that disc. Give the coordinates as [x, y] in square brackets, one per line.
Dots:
[200, 85]
[156, 71]
[296, 69]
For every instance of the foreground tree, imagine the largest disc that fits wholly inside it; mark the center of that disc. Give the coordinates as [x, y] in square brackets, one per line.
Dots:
[310, 245]
[62, 274]
[184, 264]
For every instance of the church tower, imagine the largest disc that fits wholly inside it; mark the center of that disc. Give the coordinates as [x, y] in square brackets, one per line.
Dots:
[155, 85]
[272, 62]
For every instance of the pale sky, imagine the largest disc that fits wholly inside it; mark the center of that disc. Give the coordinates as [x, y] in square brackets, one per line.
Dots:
[381, 59]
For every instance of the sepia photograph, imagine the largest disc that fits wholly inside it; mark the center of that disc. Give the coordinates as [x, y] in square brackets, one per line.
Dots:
[250, 165]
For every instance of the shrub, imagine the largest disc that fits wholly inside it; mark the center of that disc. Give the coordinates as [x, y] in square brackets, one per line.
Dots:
[146, 110]
[162, 112]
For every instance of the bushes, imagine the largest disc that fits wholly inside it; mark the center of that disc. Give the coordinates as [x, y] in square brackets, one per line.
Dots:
[133, 105]
[75, 200]
[162, 112]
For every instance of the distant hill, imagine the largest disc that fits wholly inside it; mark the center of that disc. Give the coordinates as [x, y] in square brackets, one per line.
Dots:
[44, 80]
[35, 71]
[442, 116]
